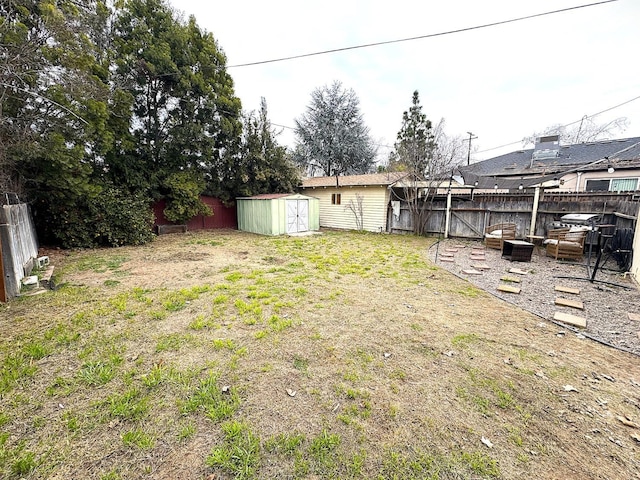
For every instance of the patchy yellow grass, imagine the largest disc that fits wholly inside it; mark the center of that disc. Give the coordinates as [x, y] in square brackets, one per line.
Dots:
[341, 355]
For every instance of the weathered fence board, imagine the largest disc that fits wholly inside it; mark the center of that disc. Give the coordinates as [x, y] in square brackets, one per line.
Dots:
[19, 246]
[470, 214]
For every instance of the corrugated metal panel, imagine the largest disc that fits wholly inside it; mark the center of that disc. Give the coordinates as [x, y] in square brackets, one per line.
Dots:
[256, 216]
[268, 216]
[223, 216]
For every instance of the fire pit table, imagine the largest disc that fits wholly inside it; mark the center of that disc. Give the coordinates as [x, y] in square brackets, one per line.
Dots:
[517, 250]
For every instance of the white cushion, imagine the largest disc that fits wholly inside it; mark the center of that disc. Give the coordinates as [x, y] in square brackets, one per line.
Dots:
[494, 234]
[574, 236]
[565, 243]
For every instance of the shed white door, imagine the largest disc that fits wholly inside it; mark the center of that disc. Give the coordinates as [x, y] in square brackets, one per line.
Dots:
[297, 216]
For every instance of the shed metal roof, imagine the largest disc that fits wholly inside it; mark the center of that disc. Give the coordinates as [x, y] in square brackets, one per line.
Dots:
[266, 196]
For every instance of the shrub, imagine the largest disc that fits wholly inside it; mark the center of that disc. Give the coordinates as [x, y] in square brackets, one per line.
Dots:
[109, 219]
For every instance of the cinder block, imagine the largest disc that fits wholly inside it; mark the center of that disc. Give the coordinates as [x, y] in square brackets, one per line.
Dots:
[31, 280]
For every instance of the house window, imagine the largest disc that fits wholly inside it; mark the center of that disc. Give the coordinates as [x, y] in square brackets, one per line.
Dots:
[624, 184]
[597, 186]
[613, 185]
[335, 198]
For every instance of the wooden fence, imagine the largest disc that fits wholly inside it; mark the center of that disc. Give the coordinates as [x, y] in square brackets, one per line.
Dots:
[18, 248]
[470, 214]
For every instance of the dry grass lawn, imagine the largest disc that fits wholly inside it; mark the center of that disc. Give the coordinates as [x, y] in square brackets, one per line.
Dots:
[343, 355]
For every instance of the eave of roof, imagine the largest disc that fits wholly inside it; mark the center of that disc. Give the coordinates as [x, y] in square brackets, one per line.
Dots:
[373, 179]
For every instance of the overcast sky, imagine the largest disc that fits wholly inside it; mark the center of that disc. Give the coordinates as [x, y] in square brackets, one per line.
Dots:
[501, 83]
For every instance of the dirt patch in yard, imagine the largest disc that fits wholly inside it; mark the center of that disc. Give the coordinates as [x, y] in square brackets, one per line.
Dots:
[342, 355]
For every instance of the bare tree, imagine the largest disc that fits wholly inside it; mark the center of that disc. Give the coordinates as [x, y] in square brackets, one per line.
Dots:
[357, 208]
[450, 151]
[585, 131]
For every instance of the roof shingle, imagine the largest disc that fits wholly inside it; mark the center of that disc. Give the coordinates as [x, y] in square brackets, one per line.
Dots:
[354, 180]
[621, 153]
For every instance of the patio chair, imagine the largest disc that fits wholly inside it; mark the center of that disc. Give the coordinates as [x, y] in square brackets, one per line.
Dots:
[564, 243]
[495, 235]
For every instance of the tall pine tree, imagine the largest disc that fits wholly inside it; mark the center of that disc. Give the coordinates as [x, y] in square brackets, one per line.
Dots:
[414, 148]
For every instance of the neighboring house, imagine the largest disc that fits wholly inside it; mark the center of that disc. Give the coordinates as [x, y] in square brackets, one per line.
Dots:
[353, 202]
[607, 165]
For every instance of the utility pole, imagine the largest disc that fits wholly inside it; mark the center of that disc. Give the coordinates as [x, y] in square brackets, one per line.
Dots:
[471, 137]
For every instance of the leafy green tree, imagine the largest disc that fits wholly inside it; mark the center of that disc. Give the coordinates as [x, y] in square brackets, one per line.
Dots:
[185, 112]
[332, 138]
[183, 197]
[52, 103]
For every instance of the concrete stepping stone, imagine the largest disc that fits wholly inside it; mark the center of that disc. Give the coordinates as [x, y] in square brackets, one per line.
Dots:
[517, 271]
[509, 289]
[560, 288]
[510, 279]
[472, 271]
[451, 250]
[445, 254]
[446, 259]
[482, 266]
[565, 302]
[477, 257]
[634, 316]
[570, 319]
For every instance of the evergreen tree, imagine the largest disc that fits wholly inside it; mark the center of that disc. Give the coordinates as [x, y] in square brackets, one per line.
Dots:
[263, 166]
[332, 138]
[185, 113]
[414, 148]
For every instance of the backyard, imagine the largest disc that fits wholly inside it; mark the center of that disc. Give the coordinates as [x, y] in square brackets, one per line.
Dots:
[222, 354]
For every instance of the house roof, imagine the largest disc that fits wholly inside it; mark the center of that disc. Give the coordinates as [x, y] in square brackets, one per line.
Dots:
[621, 154]
[354, 180]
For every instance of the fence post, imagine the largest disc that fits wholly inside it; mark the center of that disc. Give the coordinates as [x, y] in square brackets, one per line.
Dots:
[447, 215]
[3, 291]
[534, 211]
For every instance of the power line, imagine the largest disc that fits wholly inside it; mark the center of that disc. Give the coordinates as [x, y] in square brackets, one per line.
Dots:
[431, 35]
[568, 124]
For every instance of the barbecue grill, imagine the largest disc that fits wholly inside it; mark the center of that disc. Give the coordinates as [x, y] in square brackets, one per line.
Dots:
[591, 220]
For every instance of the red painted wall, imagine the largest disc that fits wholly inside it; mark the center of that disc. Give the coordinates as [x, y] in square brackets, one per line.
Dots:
[223, 217]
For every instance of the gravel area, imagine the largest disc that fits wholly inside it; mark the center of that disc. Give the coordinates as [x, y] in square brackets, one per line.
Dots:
[607, 303]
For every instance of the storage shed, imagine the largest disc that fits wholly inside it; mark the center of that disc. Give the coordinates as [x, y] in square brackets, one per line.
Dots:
[278, 213]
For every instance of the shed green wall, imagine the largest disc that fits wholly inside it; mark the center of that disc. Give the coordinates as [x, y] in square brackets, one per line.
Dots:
[269, 216]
